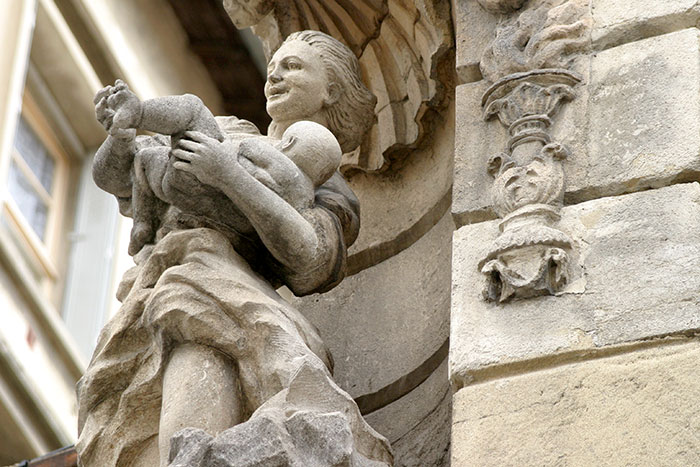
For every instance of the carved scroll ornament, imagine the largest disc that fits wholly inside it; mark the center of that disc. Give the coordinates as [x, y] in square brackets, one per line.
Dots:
[528, 61]
[400, 45]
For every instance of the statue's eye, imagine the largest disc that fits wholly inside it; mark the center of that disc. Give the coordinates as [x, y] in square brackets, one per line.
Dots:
[293, 65]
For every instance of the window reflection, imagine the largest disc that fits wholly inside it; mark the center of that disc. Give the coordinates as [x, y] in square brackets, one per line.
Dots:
[31, 177]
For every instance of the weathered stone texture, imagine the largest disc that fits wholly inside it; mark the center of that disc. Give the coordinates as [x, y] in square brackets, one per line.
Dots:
[619, 22]
[635, 279]
[402, 417]
[614, 23]
[385, 321]
[474, 30]
[633, 125]
[392, 205]
[632, 409]
[428, 443]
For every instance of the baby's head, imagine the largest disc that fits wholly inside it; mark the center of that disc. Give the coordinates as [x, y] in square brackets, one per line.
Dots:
[313, 148]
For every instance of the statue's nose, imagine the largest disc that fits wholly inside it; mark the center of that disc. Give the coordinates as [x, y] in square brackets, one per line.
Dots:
[274, 77]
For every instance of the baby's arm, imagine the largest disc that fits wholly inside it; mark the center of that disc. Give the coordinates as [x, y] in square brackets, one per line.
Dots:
[113, 160]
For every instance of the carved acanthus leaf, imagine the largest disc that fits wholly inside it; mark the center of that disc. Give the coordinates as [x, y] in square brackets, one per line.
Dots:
[539, 182]
[547, 36]
[529, 99]
[400, 44]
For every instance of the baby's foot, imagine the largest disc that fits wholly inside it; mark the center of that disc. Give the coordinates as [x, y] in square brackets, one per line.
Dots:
[127, 107]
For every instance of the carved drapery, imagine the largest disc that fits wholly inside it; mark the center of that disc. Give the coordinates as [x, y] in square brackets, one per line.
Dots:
[529, 63]
[401, 46]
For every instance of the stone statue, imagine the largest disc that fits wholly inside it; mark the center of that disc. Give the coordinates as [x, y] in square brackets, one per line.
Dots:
[205, 364]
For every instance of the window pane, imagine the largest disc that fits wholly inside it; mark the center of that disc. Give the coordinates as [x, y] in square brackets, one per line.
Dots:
[28, 200]
[34, 154]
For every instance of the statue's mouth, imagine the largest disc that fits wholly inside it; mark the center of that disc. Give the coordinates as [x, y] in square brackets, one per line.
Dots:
[276, 92]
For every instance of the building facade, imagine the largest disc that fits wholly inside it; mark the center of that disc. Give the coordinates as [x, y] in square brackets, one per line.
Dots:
[523, 290]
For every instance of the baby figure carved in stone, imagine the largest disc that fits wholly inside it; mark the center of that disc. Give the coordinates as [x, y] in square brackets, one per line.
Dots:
[311, 148]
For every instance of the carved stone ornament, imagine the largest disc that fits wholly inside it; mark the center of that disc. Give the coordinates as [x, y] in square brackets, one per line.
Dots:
[531, 256]
[401, 46]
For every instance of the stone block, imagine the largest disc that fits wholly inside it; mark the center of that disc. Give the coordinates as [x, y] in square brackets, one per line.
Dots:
[617, 23]
[633, 125]
[643, 111]
[631, 409]
[638, 255]
[474, 31]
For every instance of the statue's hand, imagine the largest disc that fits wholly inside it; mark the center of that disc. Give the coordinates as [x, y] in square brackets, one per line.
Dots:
[118, 109]
[208, 159]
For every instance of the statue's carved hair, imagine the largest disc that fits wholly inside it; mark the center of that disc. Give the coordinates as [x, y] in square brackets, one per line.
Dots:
[352, 114]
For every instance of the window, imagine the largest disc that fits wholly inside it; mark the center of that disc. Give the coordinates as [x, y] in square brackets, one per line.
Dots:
[31, 177]
[37, 186]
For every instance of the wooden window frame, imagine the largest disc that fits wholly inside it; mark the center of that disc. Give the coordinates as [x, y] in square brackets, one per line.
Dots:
[44, 251]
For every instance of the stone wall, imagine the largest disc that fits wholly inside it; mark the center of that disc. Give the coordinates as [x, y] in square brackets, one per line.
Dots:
[387, 324]
[599, 370]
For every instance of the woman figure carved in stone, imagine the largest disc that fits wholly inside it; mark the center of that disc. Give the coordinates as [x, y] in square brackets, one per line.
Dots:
[202, 341]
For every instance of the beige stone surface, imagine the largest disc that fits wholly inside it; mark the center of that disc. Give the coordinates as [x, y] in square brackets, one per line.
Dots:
[392, 203]
[634, 279]
[633, 409]
[385, 321]
[632, 126]
[644, 104]
[614, 23]
[621, 22]
[428, 443]
[474, 30]
[398, 419]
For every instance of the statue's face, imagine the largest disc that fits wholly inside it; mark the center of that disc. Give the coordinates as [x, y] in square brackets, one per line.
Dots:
[297, 85]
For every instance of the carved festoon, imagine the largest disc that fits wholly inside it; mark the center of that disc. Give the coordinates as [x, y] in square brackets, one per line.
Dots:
[528, 62]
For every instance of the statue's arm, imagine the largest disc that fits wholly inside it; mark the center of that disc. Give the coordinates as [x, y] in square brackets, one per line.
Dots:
[111, 168]
[287, 233]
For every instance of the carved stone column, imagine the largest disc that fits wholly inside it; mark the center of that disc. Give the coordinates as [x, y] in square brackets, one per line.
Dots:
[530, 256]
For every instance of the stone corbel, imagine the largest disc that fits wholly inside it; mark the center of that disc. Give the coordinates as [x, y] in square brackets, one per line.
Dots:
[530, 256]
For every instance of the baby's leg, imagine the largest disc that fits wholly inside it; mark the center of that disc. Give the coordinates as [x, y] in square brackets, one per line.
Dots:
[149, 168]
[174, 115]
